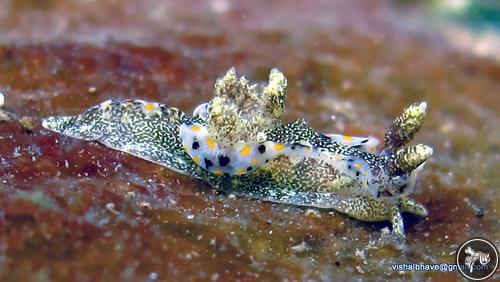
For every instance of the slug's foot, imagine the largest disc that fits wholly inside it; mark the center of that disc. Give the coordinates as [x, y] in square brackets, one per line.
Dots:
[411, 206]
[398, 229]
[405, 205]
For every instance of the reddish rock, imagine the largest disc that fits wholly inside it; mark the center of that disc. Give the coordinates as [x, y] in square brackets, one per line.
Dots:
[74, 210]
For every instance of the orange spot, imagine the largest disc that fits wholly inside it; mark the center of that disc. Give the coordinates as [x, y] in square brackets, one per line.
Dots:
[149, 107]
[279, 147]
[218, 172]
[254, 161]
[347, 138]
[210, 143]
[245, 151]
[196, 160]
[195, 128]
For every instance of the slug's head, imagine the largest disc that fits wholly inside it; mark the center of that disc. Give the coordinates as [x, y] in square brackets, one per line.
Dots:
[404, 163]
[404, 128]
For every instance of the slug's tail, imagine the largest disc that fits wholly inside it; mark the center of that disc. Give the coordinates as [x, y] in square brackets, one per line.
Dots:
[66, 125]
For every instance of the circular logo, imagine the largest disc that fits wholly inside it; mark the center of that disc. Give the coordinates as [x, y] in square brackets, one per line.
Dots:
[477, 259]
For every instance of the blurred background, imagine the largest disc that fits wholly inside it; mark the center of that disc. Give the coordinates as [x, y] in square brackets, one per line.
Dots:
[76, 211]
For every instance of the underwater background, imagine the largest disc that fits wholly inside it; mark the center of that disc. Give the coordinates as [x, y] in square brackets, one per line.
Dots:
[77, 211]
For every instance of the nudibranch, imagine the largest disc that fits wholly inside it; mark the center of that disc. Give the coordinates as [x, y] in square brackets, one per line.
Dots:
[238, 144]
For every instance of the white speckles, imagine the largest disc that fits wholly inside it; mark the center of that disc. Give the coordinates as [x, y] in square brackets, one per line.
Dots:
[2, 99]
[145, 205]
[105, 105]
[125, 118]
[423, 106]
[17, 152]
[302, 247]
[359, 269]
[212, 242]
[152, 276]
[190, 216]
[261, 137]
[111, 207]
[85, 128]
[215, 277]
[192, 255]
[313, 213]
[361, 254]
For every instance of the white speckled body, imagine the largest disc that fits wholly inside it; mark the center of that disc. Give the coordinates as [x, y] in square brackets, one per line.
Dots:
[257, 156]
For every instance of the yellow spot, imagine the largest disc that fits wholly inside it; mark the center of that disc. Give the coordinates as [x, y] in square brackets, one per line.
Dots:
[347, 138]
[196, 128]
[254, 161]
[210, 143]
[240, 171]
[245, 151]
[196, 160]
[357, 166]
[279, 147]
[149, 107]
[218, 172]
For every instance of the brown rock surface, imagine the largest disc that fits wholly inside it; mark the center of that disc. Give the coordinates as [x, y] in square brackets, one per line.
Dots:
[73, 210]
